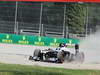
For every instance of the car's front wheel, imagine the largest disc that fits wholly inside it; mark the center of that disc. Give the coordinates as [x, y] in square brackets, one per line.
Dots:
[61, 57]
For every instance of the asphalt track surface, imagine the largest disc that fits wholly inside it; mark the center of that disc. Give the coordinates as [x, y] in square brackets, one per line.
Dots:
[19, 54]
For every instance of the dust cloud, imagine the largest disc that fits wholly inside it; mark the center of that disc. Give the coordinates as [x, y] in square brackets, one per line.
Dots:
[91, 48]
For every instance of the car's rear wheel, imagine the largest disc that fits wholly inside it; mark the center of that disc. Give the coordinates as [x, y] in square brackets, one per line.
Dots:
[79, 57]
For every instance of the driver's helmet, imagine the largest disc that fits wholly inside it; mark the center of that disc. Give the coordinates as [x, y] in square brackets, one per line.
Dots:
[61, 45]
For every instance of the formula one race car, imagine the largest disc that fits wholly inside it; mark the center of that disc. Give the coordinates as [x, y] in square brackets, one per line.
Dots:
[58, 55]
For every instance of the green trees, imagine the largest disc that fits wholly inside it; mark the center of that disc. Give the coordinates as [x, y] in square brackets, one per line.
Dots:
[78, 15]
[75, 17]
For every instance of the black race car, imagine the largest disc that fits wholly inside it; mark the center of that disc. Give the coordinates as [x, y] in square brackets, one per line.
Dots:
[58, 56]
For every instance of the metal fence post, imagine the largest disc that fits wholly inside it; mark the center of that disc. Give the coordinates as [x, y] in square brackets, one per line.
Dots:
[86, 30]
[64, 22]
[15, 27]
[40, 25]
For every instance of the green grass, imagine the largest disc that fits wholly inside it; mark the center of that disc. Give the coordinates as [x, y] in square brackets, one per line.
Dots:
[8, 69]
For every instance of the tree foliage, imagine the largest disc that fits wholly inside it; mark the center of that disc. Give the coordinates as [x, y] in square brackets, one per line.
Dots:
[75, 17]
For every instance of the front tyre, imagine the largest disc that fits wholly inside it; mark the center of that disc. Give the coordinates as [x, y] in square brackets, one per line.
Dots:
[36, 54]
[60, 57]
[30, 58]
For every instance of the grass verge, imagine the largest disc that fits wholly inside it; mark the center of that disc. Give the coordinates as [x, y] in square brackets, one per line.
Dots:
[10, 69]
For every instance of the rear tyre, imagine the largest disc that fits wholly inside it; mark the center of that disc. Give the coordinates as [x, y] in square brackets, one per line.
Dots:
[72, 58]
[79, 57]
